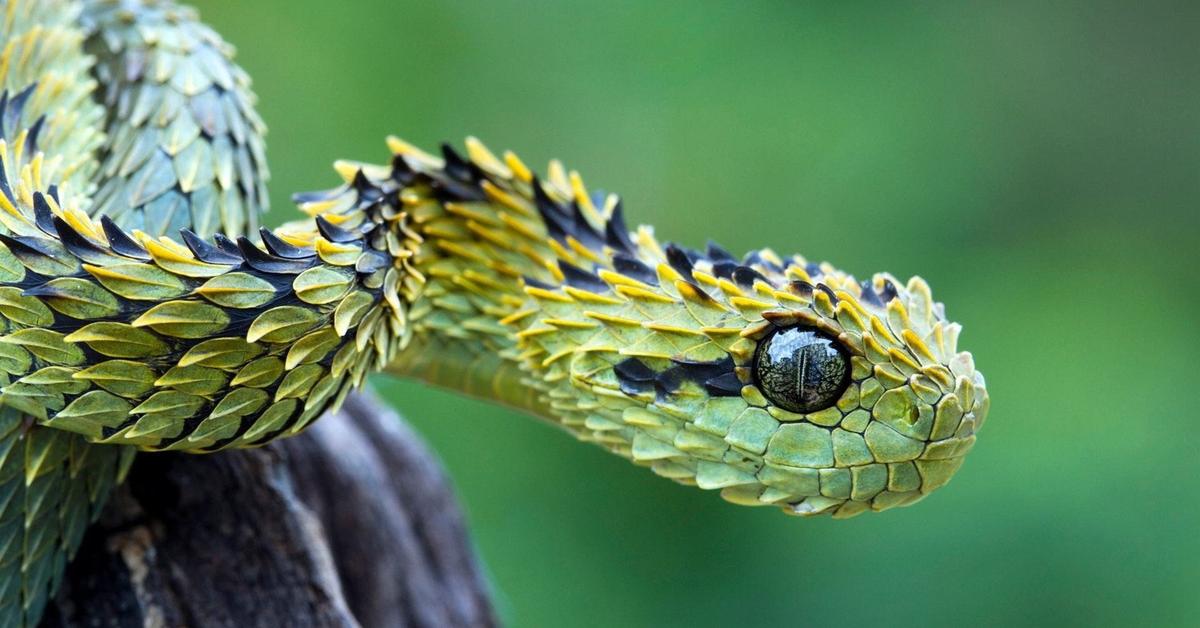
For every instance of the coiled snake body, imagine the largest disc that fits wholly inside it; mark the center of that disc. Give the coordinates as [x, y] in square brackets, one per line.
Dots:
[141, 307]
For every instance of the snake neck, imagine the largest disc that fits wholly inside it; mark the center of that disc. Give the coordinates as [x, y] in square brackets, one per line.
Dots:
[474, 240]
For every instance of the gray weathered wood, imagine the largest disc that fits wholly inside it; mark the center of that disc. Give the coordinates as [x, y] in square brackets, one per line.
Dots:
[351, 523]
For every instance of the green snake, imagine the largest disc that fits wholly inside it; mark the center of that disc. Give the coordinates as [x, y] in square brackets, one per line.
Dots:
[142, 307]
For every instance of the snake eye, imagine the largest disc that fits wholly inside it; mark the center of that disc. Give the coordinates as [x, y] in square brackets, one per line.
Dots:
[801, 369]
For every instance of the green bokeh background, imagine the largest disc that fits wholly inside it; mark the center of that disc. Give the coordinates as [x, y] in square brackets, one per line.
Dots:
[1038, 163]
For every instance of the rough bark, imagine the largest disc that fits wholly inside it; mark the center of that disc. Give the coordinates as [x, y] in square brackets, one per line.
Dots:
[351, 523]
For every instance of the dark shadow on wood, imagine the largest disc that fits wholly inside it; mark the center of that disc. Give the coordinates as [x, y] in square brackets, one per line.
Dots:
[351, 523]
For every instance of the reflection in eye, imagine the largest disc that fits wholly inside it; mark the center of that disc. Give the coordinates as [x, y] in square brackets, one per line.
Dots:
[801, 369]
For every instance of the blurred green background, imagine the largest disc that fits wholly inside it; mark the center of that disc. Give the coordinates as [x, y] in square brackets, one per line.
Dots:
[1038, 163]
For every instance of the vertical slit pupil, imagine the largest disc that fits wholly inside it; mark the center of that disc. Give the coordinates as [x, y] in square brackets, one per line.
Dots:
[801, 369]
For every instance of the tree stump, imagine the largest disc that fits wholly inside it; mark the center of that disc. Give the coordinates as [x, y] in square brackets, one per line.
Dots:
[352, 523]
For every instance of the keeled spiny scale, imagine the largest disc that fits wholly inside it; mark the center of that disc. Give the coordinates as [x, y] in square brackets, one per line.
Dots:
[186, 147]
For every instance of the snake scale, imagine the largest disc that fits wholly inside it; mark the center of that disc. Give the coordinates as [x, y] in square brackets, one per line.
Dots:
[143, 308]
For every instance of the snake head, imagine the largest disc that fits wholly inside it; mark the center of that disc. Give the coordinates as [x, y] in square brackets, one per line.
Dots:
[775, 381]
[856, 393]
[778, 382]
